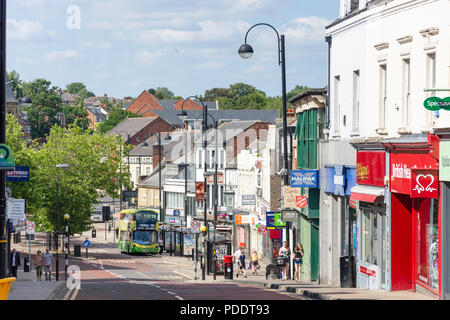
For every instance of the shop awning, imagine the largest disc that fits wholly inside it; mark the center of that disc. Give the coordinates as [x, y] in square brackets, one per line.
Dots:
[366, 193]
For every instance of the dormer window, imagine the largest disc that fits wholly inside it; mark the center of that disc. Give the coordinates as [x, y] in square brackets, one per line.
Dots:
[354, 4]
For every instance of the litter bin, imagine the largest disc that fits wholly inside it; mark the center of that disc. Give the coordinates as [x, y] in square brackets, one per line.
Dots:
[94, 233]
[346, 264]
[77, 250]
[26, 265]
[228, 267]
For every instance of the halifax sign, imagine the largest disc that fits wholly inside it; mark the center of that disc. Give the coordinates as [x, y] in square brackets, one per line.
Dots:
[305, 178]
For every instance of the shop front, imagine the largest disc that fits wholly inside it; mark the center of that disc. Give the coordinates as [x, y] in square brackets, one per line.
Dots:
[444, 178]
[368, 198]
[415, 214]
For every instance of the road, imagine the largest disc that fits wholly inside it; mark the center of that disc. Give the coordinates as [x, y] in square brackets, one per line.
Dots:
[115, 276]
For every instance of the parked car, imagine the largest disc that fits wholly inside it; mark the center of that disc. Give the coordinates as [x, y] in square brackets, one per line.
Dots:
[97, 216]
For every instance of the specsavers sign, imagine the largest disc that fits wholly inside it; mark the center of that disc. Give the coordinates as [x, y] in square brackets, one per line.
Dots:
[444, 161]
[6, 158]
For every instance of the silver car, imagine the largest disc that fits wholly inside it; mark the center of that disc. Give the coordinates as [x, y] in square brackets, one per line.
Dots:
[97, 216]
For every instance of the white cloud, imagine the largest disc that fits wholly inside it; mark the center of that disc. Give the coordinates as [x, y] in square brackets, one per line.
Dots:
[55, 56]
[24, 29]
[310, 29]
[145, 56]
[88, 45]
[30, 3]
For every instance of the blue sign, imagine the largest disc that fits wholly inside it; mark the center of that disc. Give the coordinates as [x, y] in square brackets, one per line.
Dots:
[340, 179]
[86, 243]
[19, 174]
[305, 178]
[270, 221]
[176, 212]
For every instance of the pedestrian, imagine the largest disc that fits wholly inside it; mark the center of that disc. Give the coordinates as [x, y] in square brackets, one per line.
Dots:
[285, 252]
[236, 256]
[14, 261]
[38, 262]
[254, 260]
[298, 260]
[242, 264]
[48, 262]
[160, 243]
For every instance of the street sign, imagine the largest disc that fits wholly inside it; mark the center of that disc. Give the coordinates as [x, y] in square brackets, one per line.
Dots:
[19, 174]
[30, 227]
[304, 178]
[195, 226]
[176, 212]
[7, 161]
[86, 243]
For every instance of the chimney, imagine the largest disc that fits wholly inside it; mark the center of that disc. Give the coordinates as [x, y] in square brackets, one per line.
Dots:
[105, 96]
[156, 155]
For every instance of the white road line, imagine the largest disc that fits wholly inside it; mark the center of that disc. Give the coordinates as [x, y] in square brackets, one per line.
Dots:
[184, 275]
[179, 298]
[68, 294]
[101, 264]
[74, 294]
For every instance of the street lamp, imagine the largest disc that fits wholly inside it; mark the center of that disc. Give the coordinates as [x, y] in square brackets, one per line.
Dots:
[246, 51]
[58, 166]
[66, 218]
[167, 138]
[183, 115]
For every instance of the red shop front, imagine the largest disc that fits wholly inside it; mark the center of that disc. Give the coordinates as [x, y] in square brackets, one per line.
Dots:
[415, 214]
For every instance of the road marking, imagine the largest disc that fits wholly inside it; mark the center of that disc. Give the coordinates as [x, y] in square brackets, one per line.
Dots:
[184, 275]
[74, 294]
[101, 264]
[179, 298]
[68, 294]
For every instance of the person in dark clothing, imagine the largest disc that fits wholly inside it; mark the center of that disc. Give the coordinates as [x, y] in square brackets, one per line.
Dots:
[14, 262]
[242, 264]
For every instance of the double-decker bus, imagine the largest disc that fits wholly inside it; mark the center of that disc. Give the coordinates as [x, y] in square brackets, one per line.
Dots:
[138, 231]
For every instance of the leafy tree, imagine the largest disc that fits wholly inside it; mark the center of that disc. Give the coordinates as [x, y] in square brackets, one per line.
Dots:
[17, 85]
[162, 93]
[215, 93]
[94, 161]
[115, 116]
[75, 87]
[241, 90]
[44, 107]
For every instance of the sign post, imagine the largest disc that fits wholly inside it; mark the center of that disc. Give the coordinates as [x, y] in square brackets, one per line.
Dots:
[30, 236]
[86, 244]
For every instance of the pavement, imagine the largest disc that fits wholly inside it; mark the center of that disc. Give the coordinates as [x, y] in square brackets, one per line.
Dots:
[25, 288]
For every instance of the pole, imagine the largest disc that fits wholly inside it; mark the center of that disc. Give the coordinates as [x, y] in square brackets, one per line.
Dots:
[120, 179]
[215, 200]
[3, 253]
[195, 256]
[205, 144]
[67, 249]
[283, 81]
[57, 218]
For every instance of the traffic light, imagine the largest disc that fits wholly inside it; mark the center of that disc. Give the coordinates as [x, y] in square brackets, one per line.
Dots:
[106, 213]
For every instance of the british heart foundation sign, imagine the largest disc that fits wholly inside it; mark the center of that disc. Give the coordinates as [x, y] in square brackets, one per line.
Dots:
[424, 183]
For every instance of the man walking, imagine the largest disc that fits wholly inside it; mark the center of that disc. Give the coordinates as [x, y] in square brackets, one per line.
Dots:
[14, 259]
[48, 261]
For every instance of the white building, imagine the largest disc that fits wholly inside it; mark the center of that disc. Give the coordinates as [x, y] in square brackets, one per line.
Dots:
[383, 54]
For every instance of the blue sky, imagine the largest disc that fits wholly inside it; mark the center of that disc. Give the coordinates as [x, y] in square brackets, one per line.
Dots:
[123, 47]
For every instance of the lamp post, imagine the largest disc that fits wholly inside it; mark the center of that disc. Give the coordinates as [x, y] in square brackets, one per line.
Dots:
[167, 138]
[183, 115]
[246, 51]
[58, 166]
[66, 218]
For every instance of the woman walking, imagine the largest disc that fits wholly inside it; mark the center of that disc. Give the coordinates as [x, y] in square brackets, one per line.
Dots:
[285, 252]
[298, 260]
[38, 262]
[254, 260]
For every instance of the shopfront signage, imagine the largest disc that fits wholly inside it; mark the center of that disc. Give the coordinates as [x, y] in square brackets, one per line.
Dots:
[424, 184]
[278, 221]
[436, 103]
[290, 196]
[262, 230]
[210, 179]
[270, 220]
[402, 167]
[370, 168]
[301, 201]
[242, 219]
[304, 178]
[289, 215]
[199, 191]
[444, 161]
[248, 200]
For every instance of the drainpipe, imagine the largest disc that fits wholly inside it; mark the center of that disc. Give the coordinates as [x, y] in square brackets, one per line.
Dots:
[327, 110]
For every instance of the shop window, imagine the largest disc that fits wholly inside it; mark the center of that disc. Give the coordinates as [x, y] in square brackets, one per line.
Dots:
[427, 242]
[369, 237]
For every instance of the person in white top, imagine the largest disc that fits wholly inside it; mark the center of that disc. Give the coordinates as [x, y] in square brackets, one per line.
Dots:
[236, 256]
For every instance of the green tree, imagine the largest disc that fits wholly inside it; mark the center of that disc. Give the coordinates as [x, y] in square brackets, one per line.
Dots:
[115, 116]
[241, 90]
[162, 93]
[75, 87]
[17, 85]
[44, 107]
[95, 161]
[215, 93]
